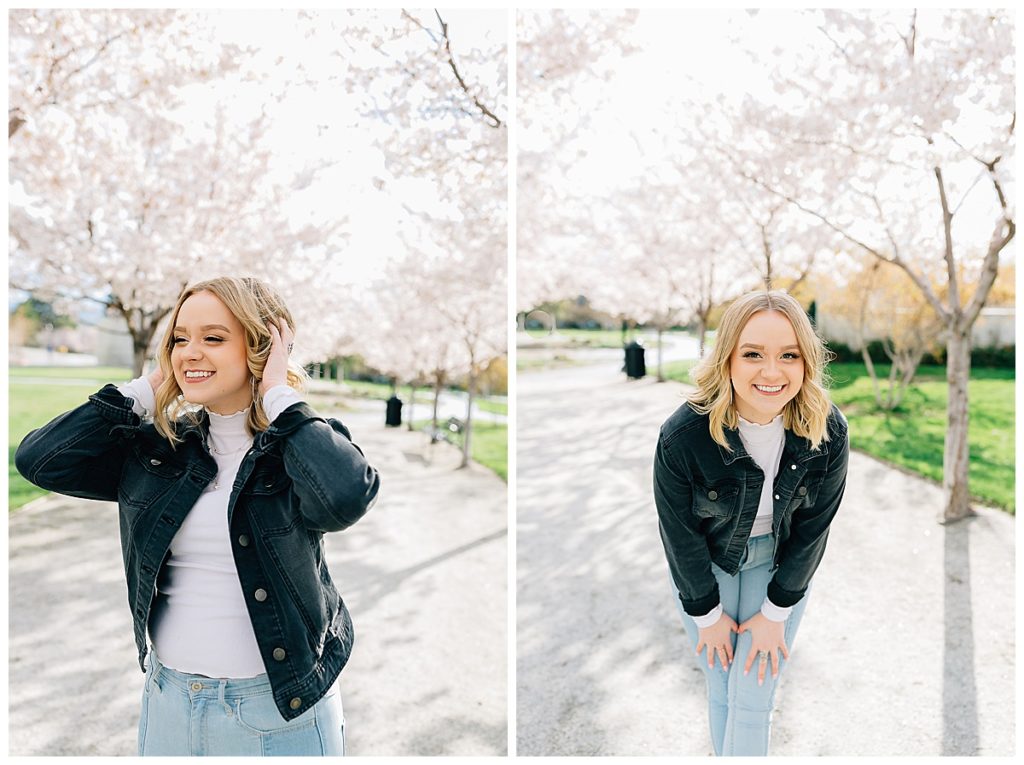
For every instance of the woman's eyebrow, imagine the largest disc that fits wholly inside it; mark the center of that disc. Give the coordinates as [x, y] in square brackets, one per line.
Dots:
[761, 347]
[205, 328]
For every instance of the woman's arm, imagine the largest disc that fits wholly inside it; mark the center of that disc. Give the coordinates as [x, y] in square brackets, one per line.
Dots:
[81, 453]
[686, 549]
[809, 531]
[334, 483]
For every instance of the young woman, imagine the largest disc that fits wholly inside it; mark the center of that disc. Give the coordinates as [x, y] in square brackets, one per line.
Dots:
[226, 481]
[748, 475]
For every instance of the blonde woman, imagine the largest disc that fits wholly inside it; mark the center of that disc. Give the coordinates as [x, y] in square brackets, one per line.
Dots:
[748, 475]
[226, 481]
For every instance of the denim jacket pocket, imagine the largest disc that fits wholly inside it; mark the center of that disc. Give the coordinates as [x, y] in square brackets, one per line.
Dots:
[806, 493]
[147, 477]
[717, 501]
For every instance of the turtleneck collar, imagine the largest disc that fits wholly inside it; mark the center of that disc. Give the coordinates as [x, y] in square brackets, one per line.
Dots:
[754, 433]
[228, 432]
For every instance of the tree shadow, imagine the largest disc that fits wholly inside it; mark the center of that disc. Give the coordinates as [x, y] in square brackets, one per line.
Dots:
[959, 687]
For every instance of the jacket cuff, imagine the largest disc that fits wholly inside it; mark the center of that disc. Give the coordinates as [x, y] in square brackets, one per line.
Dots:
[783, 598]
[703, 605]
[114, 406]
[292, 418]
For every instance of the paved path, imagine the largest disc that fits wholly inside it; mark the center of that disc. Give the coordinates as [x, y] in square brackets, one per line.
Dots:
[907, 647]
[424, 575]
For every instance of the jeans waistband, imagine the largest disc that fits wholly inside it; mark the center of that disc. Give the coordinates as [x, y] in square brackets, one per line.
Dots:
[219, 687]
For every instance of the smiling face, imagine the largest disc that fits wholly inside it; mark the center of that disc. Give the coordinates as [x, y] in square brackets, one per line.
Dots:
[766, 367]
[209, 355]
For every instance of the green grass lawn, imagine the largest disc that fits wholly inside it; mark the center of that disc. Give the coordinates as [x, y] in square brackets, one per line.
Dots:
[33, 404]
[913, 435]
[488, 446]
[486, 405]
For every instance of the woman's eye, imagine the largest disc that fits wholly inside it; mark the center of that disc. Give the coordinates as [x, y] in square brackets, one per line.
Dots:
[214, 339]
[790, 356]
[751, 355]
[178, 340]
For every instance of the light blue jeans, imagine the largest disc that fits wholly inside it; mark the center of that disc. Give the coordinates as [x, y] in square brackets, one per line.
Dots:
[739, 710]
[185, 714]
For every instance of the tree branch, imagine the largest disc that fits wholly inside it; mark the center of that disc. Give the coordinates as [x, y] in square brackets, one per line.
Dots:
[947, 228]
[495, 122]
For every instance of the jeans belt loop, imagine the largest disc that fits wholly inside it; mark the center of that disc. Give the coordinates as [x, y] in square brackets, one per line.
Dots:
[220, 694]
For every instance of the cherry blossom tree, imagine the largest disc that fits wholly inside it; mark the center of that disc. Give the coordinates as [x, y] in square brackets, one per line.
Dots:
[438, 108]
[119, 193]
[898, 135]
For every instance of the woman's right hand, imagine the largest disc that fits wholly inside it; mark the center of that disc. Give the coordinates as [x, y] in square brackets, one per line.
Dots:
[156, 378]
[718, 639]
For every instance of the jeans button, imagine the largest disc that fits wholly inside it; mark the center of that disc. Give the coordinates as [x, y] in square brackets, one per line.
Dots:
[197, 686]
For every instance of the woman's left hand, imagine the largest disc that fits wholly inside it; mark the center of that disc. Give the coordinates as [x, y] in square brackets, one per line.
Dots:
[276, 370]
[767, 636]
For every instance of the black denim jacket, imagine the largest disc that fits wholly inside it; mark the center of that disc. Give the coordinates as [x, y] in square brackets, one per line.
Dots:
[707, 500]
[302, 477]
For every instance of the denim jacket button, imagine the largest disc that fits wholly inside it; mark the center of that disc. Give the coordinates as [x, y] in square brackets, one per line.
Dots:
[295, 703]
[712, 495]
[154, 463]
[243, 540]
[802, 491]
[792, 467]
[279, 654]
[776, 496]
[260, 595]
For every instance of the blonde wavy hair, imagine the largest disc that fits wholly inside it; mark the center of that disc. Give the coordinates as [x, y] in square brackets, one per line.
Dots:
[806, 414]
[253, 303]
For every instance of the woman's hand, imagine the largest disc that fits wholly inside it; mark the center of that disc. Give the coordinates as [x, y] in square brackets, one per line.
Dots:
[275, 372]
[767, 636]
[156, 378]
[718, 639]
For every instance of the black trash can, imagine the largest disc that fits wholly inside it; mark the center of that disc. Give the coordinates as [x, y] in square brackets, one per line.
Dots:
[394, 415]
[635, 366]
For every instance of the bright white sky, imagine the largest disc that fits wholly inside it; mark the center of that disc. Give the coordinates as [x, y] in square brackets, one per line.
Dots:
[324, 126]
[700, 54]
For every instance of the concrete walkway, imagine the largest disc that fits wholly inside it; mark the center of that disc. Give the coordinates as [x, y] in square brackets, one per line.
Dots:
[424, 575]
[907, 647]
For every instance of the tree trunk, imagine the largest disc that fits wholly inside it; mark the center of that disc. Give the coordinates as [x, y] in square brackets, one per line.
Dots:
[412, 401]
[661, 373]
[138, 357]
[438, 381]
[469, 417]
[955, 460]
[702, 331]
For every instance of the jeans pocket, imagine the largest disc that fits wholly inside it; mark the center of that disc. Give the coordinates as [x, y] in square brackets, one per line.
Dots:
[259, 714]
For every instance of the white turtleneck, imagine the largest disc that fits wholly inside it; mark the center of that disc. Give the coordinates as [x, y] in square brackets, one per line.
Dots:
[200, 623]
[764, 444]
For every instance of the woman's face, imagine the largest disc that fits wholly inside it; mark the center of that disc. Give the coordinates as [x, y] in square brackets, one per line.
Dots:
[208, 357]
[766, 367]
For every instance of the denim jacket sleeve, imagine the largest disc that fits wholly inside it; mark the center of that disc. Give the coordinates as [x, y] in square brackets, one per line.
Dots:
[81, 453]
[332, 480]
[689, 560]
[809, 532]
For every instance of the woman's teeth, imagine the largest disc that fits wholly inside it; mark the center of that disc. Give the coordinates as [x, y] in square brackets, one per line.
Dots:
[769, 388]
